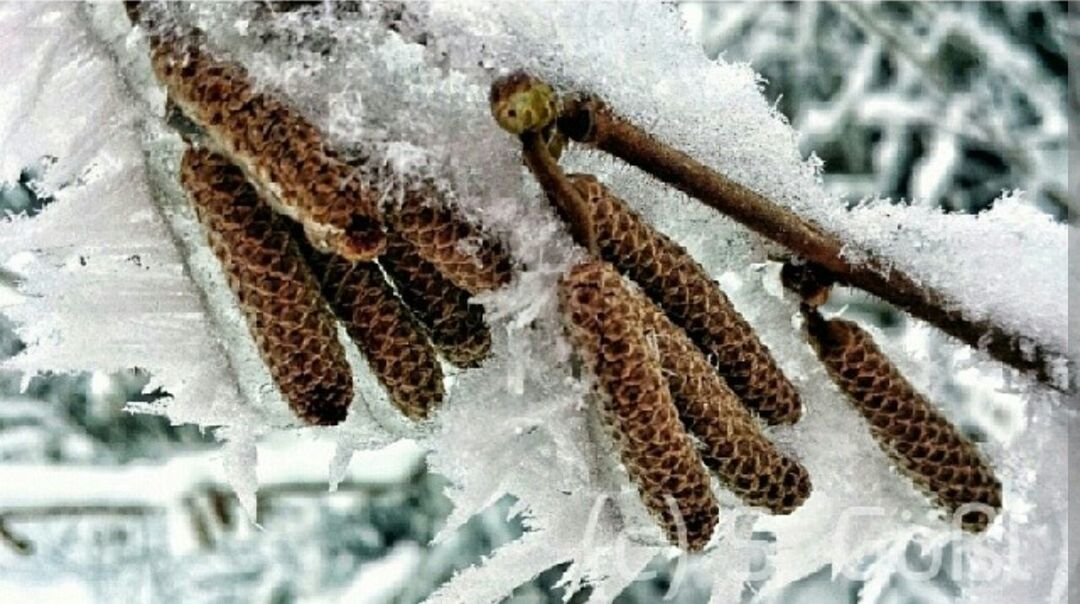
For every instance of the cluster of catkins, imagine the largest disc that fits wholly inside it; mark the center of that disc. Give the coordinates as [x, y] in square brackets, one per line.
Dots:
[682, 378]
[682, 382]
[304, 242]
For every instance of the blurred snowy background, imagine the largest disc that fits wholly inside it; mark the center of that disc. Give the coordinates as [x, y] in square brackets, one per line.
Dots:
[943, 104]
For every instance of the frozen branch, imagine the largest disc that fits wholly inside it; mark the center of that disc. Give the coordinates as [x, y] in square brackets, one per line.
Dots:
[591, 121]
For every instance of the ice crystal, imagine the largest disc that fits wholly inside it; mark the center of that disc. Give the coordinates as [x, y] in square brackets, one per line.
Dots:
[115, 273]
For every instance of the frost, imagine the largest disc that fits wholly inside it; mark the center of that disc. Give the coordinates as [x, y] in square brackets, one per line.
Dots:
[240, 461]
[382, 580]
[1018, 275]
[521, 425]
[95, 258]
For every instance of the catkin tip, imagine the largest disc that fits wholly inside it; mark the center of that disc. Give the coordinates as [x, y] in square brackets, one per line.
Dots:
[365, 239]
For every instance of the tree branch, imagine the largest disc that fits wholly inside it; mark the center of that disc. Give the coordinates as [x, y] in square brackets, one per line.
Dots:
[590, 121]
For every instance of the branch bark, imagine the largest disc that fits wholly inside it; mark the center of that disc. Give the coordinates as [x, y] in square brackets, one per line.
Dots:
[590, 121]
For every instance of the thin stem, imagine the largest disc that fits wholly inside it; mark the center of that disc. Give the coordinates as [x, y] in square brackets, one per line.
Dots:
[590, 121]
[559, 190]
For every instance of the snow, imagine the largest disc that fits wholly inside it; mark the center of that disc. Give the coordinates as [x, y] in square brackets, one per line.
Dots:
[1019, 276]
[379, 582]
[522, 424]
[283, 459]
[52, 589]
[82, 249]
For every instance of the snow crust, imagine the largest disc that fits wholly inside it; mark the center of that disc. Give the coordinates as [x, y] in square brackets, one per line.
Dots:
[521, 425]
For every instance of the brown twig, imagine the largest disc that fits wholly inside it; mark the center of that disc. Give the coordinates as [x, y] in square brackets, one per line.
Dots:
[559, 190]
[810, 282]
[590, 121]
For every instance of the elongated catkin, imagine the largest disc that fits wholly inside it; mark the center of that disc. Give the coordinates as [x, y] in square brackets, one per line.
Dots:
[731, 443]
[396, 350]
[924, 444]
[456, 327]
[293, 329]
[439, 234]
[675, 281]
[281, 152]
[606, 327]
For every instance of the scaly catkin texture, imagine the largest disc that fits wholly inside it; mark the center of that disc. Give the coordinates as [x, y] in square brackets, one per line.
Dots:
[922, 442]
[675, 281]
[397, 351]
[282, 153]
[731, 443]
[456, 327]
[459, 249]
[606, 328]
[293, 329]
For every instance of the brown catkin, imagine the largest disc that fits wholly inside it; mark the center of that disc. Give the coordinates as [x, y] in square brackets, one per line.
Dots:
[396, 350]
[930, 450]
[605, 325]
[730, 441]
[440, 235]
[675, 281]
[282, 153]
[456, 327]
[293, 329]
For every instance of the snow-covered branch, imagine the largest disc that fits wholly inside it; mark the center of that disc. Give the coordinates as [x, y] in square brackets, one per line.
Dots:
[115, 272]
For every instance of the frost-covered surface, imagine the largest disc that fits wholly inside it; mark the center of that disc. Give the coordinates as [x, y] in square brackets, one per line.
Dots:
[521, 424]
[99, 256]
[1017, 246]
